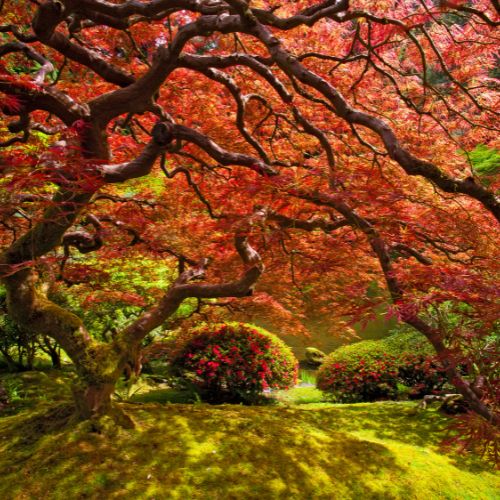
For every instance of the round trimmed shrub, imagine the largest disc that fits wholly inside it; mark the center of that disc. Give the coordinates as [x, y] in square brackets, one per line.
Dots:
[373, 369]
[406, 340]
[235, 362]
[419, 368]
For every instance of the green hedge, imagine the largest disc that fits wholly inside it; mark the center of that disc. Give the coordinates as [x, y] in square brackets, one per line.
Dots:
[399, 342]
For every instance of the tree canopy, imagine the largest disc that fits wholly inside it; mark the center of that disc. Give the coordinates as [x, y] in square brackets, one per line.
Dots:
[334, 156]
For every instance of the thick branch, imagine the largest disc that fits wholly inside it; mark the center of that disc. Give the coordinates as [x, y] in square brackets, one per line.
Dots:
[219, 154]
[411, 164]
[84, 241]
[401, 247]
[31, 309]
[308, 225]
[138, 97]
[46, 65]
[142, 165]
[49, 15]
[163, 135]
[47, 99]
[184, 288]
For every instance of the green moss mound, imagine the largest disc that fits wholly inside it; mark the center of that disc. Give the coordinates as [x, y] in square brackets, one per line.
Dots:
[318, 451]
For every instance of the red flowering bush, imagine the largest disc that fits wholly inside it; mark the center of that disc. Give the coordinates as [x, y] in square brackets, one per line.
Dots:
[423, 374]
[235, 362]
[373, 369]
[363, 379]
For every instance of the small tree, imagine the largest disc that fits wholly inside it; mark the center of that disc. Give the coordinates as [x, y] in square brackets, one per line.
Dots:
[17, 345]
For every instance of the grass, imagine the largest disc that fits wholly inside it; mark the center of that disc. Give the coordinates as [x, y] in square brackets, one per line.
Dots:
[363, 451]
[300, 396]
[307, 376]
[166, 396]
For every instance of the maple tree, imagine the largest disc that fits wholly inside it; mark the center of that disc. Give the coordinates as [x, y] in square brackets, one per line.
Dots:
[338, 136]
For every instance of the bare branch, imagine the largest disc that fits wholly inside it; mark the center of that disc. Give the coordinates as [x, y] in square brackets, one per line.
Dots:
[401, 247]
[219, 154]
[46, 65]
[142, 165]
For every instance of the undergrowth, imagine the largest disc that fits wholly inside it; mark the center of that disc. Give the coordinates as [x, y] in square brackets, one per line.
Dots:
[386, 450]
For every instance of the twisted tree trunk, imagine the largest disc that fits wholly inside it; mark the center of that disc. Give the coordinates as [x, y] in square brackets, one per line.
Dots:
[99, 365]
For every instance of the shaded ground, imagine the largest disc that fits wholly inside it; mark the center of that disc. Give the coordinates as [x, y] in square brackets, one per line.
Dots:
[364, 451]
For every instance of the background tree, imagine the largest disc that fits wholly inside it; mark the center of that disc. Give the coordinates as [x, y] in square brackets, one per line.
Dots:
[338, 136]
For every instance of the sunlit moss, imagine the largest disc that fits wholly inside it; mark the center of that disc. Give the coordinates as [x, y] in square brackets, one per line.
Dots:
[371, 450]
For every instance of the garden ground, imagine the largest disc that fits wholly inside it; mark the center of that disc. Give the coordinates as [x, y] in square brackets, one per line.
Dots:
[379, 450]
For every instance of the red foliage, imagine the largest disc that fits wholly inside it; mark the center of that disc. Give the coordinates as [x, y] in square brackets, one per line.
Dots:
[471, 433]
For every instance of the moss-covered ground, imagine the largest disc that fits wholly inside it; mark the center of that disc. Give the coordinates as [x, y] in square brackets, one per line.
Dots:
[189, 451]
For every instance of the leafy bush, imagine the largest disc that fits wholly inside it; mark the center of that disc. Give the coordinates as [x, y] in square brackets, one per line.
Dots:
[235, 362]
[376, 369]
[423, 374]
[17, 346]
[156, 356]
[404, 340]
[367, 378]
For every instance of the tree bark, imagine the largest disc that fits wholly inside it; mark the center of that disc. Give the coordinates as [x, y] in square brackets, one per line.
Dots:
[93, 399]
[95, 363]
[12, 364]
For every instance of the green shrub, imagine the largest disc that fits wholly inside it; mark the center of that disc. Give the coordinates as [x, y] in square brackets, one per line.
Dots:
[235, 362]
[406, 340]
[375, 369]
[17, 345]
[155, 357]
[399, 342]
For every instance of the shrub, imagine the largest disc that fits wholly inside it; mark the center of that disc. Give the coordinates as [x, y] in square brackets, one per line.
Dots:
[363, 378]
[406, 340]
[17, 346]
[235, 362]
[155, 357]
[423, 374]
[374, 369]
